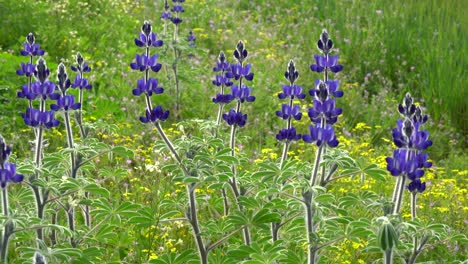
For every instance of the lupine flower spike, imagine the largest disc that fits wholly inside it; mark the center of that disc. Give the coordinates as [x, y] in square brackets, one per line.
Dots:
[235, 118]
[289, 111]
[323, 115]
[409, 160]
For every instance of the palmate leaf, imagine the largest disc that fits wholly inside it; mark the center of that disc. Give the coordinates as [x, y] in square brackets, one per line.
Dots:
[95, 189]
[264, 253]
[123, 152]
[376, 173]
[114, 211]
[89, 255]
[265, 216]
[187, 256]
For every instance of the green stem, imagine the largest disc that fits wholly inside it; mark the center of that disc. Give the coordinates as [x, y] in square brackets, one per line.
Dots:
[388, 256]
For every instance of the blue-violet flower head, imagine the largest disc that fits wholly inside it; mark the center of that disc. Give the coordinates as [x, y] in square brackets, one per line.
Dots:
[8, 174]
[30, 48]
[142, 62]
[155, 115]
[235, 118]
[66, 103]
[148, 88]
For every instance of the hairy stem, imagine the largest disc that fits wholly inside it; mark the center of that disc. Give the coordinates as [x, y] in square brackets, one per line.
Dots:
[193, 219]
[388, 256]
[310, 226]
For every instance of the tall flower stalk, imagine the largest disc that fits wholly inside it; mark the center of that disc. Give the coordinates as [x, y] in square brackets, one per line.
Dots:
[323, 115]
[66, 103]
[40, 120]
[235, 118]
[409, 161]
[288, 112]
[7, 175]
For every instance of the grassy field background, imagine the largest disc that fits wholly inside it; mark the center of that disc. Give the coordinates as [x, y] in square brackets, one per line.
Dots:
[388, 48]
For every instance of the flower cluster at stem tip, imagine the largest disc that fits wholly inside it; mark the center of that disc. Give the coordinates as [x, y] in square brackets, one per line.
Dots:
[173, 13]
[145, 63]
[324, 114]
[7, 170]
[409, 159]
[239, 92]
[289, 111]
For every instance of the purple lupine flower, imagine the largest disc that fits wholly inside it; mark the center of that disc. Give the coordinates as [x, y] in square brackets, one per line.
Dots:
[242, 94]
[321, 135]
[166, 14]
[325, 44]
[35, 117]
[407, 134]
[43, 90]
[294, 91]
[155, 115]
[417, 186]
[289, 112]
[176, 20]
[27, 69]
[177, 9]
[149, 87]
[288, 135]
[30, 47]
[407, 109]
[409, 160]
[63, 80]
[65, 103]
[8, 174]
[24, 91]
[5, 151]
[147, 38]
[82, 66]
[81, 83]
[322, 62]
[41, 73]
[191, 39]
[235, 118]
[222, 99]
[222, 65]
[142, 62]
[403, 162]
[331, 89]
[324, 110]
[238, 71]
[222, 80]
[419, 117]
[240, 53]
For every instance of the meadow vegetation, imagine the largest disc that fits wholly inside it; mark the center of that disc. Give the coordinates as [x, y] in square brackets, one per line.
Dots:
[387, 48]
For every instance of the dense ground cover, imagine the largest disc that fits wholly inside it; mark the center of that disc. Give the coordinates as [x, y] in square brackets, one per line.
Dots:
[387, 49]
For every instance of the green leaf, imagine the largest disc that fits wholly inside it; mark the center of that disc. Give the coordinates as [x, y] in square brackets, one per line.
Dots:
[264, 216]
[93, 188]
[376, 173]
[123, 152]
[324, 198]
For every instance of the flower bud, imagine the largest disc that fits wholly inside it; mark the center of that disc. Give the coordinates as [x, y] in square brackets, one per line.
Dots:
[30, 39]
[291, 74]
[146, 28]
[42, 73]
[79, 59]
